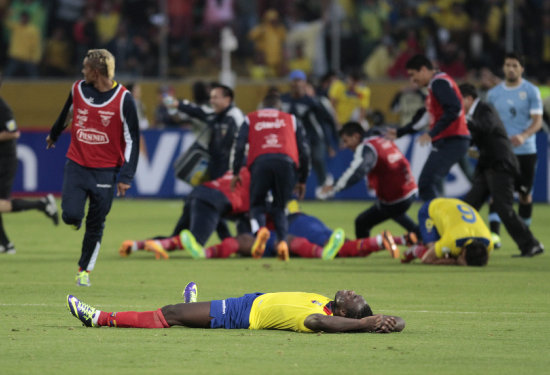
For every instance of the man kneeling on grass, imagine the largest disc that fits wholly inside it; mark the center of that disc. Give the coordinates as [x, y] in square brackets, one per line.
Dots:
[294, 311]
[453, 233]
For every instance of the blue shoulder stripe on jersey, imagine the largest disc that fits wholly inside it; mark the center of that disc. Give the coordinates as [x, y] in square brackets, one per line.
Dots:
[462, 241]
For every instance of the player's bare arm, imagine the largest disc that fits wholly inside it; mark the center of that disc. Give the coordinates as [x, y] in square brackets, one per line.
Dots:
[431, 258]
[236, 180]
[535, 126]
[8, 136]
[300, 190]
[373, 324]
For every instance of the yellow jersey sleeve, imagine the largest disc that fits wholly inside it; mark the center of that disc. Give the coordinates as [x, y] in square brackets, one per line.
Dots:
[457, 222]
[286, 310]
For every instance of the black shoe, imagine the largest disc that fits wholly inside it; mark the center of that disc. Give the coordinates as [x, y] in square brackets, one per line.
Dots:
[50, 208]
[535, 250]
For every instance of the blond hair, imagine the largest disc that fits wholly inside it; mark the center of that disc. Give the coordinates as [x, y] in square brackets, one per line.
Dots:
[103, 61]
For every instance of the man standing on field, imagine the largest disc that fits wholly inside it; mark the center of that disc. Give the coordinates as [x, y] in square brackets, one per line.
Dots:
[444, 114]
[278, 157]
[519, 106]
[104, 142]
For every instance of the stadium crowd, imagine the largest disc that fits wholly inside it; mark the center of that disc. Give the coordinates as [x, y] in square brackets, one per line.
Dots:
[49, 38]
[378, 39]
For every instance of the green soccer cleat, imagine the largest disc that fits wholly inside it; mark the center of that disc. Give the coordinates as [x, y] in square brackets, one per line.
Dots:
[190, 244]
[334, 244]
[83, 278]
[87, 314]
[497, 242]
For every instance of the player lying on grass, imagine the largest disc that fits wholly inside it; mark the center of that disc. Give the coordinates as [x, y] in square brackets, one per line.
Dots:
[308, 237]
[293, 311]
[452, 233]
[204, 207]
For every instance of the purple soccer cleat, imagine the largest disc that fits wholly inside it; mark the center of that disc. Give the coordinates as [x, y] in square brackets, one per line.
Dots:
[190, 293]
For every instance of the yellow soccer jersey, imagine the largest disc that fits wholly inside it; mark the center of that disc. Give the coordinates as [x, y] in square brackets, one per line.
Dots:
[286, 310]
[348, 101]
[456, 222]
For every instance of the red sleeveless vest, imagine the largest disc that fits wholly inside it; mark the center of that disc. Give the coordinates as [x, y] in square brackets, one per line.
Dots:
[97, 134]
[271, 132]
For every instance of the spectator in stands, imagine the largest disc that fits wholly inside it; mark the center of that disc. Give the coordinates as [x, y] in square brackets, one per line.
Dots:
[36, 10]
[107, 23]
[379, 61]
[269, 38]
[408, 49]
[67, 12]
[84, 33]
[371, 15]
[350, 99]
[25, 48]
[57, 55]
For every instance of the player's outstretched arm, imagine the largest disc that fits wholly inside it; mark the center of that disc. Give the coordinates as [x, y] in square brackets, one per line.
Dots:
[430, 257]
[374, 324]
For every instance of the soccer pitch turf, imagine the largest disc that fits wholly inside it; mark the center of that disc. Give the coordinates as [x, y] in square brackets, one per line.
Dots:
[460, 320]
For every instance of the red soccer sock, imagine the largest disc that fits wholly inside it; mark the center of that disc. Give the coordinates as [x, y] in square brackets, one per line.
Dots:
[302, 247]
[419, 251]
[224, 249]
[170, 243]
[133, 319]
[361, 247]
[140, 245]
[399, 240]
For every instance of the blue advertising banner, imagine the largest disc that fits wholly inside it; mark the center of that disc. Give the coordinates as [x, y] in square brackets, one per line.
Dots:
[41, 170]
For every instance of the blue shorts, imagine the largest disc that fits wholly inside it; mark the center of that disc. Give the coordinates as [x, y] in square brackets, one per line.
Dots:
[302, 225]
[232, 313]
[431, 235]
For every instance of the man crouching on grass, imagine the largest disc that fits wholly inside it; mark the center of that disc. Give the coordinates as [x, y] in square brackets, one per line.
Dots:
[293, 311]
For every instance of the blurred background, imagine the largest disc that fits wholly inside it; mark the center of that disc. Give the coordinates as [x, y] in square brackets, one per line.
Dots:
[179, 47]
[180, 40]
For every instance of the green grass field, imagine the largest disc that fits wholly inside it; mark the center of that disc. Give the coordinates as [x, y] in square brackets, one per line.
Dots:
[460, 320]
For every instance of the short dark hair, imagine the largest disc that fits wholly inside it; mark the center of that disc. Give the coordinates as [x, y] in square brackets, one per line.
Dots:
[476, 254]
[361, 313]
[418, 61]
[515, 56]
[355, 75]
[272, 100]
[467, 89]
[350, 128]
[226, 90]
[200, 92]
